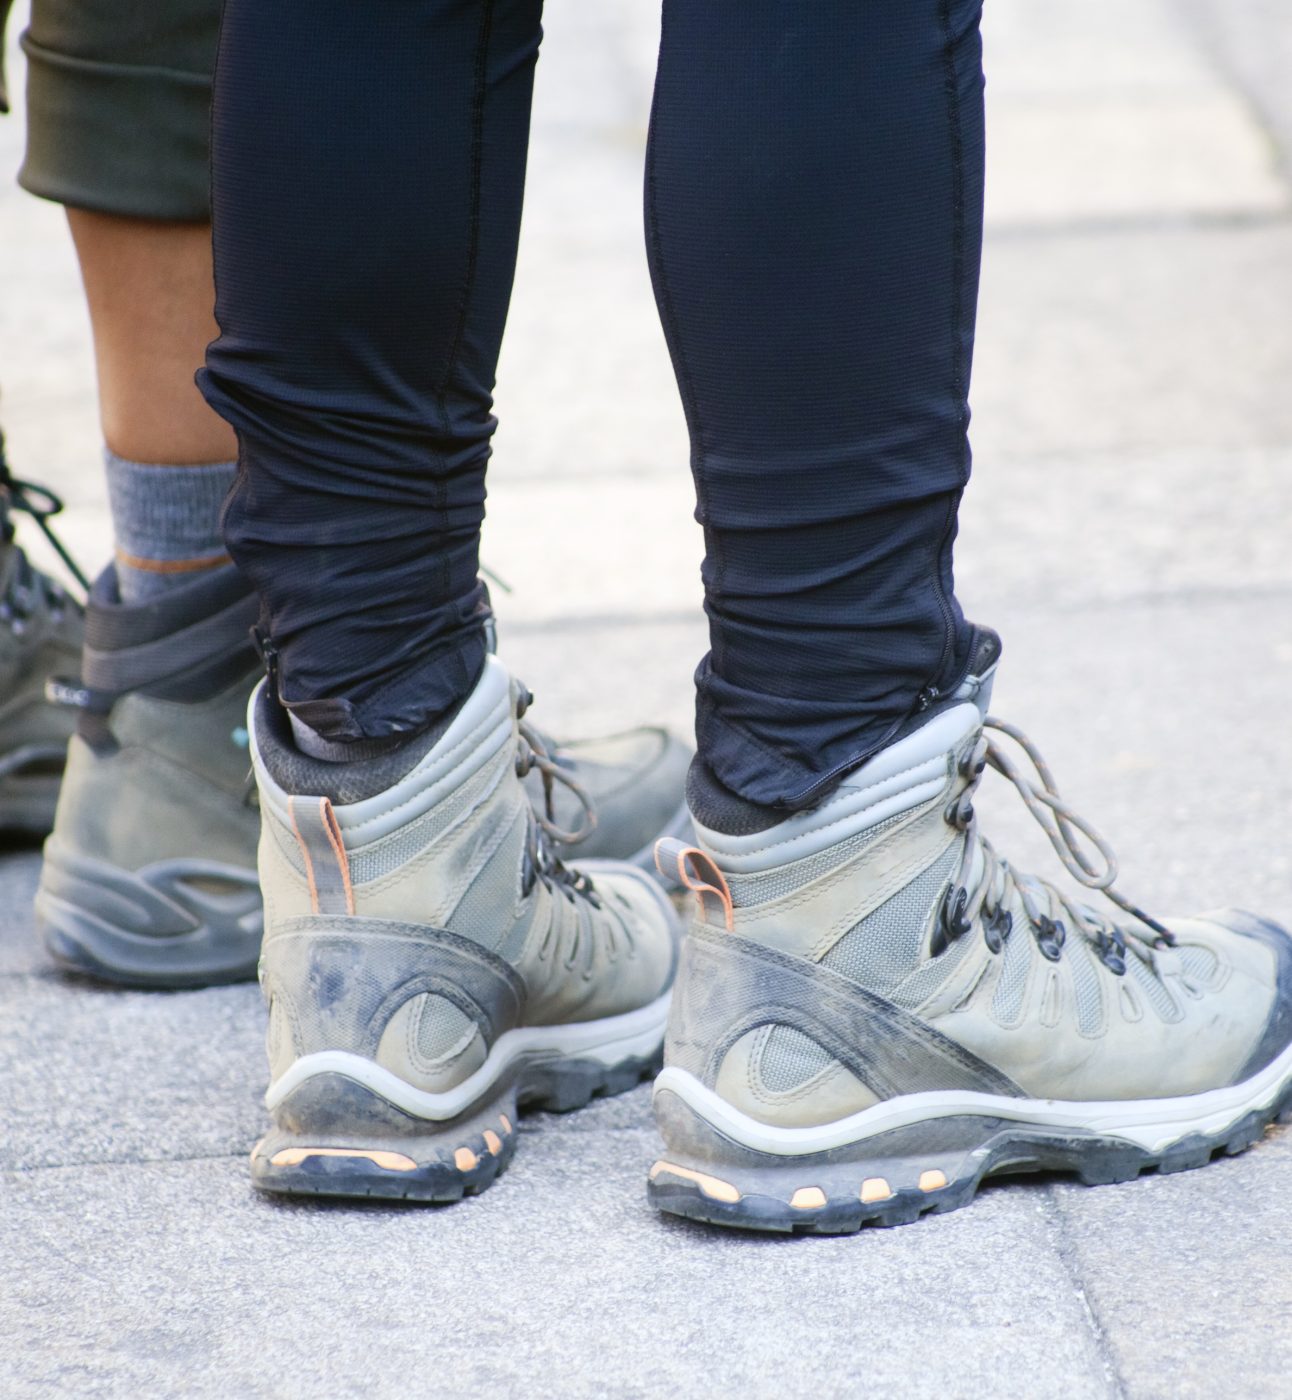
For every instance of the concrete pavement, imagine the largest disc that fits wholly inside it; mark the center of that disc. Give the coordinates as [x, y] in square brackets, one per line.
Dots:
[1129, 530]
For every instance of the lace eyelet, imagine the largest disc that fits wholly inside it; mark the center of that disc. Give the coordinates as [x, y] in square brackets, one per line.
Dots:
[1112, 953]
[1050, 937]
[951, 923]
[973, 764]
[996, 928]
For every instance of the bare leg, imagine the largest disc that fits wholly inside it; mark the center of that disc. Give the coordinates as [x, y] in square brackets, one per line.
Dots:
[150, 292]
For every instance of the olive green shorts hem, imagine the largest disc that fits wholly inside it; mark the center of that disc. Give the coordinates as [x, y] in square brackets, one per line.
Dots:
[117, 138]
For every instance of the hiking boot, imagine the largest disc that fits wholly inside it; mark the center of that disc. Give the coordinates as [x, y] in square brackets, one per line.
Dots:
[431, 966]
[149, 877]
[874, 1011]
[40, 634]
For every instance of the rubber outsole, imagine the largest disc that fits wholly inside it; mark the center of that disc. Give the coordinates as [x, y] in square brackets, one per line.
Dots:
[336, 1137]
[164, 926]
[928, 1169]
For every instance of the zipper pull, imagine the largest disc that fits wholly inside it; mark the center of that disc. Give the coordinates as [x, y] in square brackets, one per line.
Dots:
[269, 655]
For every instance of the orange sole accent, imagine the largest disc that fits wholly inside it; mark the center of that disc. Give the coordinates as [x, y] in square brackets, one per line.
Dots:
[712, 1186]
[387, 1161]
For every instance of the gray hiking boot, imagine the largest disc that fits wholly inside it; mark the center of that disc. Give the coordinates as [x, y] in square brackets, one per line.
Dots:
[40, 635]
[431, 966]
[874, 1011]
[149, 877]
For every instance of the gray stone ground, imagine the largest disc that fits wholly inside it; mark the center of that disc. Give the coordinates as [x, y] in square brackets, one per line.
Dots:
[1130, 532]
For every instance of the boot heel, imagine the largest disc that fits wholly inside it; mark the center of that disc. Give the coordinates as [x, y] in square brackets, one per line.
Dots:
[336, 1137]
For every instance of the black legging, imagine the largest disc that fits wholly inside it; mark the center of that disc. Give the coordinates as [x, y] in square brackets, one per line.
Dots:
[813, 223]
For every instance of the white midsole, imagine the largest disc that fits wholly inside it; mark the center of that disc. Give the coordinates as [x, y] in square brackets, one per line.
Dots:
[1152, 1124]
[635, 1034]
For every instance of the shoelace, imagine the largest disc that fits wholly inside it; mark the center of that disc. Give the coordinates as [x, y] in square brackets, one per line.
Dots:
[41, 504]
[532, 753]
[1049, 910]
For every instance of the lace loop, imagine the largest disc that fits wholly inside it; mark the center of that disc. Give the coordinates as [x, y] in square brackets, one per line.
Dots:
[532, 753]
[542, 862]
[1084, 853]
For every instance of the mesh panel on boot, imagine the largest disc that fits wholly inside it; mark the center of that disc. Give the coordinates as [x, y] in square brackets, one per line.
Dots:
[393, 852]
[883, 950]
[790, 1058]
[1085, 982]
[1007, 1002]
[441, 1026]
[1155, 993]
[1200, 963]
[882, 953]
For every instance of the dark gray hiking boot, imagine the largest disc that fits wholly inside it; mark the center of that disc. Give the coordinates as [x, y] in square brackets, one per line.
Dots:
[40, 635]
[149, 877]
[874, 1011]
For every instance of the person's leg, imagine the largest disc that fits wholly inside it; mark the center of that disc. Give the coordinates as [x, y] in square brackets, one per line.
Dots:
[149, 873]
[416, 910]
[118, 126]
[873, 1010]
[150, 876]
[814, 226]
[363, 288]
[150, 292]
[169, 457]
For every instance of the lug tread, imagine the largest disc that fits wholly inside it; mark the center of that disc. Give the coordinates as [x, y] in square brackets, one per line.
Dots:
[1095, 1162]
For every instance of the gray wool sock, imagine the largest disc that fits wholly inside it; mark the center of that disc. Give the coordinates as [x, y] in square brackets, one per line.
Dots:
[166, 523]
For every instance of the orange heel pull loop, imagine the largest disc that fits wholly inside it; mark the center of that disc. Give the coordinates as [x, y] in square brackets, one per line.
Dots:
[691, 867]
[327, 868]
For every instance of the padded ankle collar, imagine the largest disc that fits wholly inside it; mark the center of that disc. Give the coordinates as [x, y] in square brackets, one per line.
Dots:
[482, 725]
[179, 646]
[897, 779]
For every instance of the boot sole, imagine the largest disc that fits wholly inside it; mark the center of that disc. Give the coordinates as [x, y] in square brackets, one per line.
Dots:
[928, 1153]
[172, 924]
[347, 1127]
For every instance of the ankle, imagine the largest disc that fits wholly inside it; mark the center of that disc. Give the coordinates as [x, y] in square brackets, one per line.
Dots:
[166, 524]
